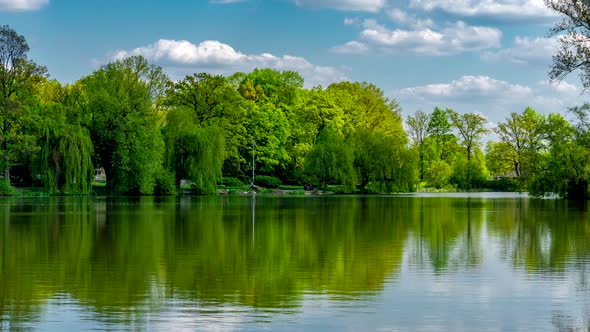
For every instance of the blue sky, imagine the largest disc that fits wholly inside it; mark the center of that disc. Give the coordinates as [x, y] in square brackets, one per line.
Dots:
[482, 56]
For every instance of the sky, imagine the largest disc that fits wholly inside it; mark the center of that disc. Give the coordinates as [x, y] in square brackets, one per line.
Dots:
[485, 56]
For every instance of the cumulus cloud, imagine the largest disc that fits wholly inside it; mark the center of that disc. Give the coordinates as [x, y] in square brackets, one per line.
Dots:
[525, 50]
[403, 18]
[563, 88]
[219, 58]
[492, 97]
[347, 5]
[503, 9]
[453, 39]
[467, 88]
[22, 5]
[351, 47]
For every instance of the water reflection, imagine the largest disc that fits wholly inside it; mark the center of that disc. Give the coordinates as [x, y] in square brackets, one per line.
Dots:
[128, 260]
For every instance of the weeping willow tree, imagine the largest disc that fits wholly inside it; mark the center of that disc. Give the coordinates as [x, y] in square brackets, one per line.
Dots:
[192, 152]
[65, 158]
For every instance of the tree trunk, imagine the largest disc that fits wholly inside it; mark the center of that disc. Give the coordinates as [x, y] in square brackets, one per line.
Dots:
[7, 173]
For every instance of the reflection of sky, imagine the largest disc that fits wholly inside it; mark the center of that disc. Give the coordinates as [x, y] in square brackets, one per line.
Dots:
[493, 296]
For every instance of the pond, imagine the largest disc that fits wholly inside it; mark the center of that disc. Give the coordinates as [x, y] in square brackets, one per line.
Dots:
[463, 262]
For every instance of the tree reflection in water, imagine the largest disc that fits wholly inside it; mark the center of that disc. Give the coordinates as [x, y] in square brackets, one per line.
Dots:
[125, 257]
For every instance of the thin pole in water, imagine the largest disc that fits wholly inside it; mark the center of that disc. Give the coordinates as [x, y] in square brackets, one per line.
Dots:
[253, 219]
[253, 163]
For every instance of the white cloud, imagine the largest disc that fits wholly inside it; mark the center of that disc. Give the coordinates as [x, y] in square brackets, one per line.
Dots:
[351, 47]
[468, 88]
[503, 9]
[563, 88]
[351, 21]
[525, 50]
[404, 19]
[219, 58]
[22, 5]
[453, 39]
[348, 5]
[492, 97]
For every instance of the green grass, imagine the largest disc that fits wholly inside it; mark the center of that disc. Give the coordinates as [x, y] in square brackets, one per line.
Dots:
[296, 192]
[288, 187]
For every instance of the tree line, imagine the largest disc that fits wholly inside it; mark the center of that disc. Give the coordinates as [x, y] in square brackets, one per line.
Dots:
[149, 133]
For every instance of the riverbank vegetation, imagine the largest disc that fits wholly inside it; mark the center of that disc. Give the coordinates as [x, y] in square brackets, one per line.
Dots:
[149, 134]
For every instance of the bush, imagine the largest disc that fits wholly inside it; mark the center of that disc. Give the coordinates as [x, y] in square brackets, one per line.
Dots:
[231, 182]
[266, 181]
[438, 174]
[165, 185]
[503, 184]
[6, 189]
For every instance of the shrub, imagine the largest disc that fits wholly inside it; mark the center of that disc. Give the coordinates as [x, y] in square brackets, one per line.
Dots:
[266, 181]
[6, 189]
[504, 184]
[165, 185]
[232, 182]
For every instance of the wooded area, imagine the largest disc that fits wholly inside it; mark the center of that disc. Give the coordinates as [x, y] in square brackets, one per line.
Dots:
[149, 132]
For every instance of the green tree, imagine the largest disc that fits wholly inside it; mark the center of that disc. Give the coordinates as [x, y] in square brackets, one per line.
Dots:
[331, 161]
[383, 163]
[439, 128]
[315, 111]
[281, 88]
[562, 168]
[214, 102]
[366, 108]
[521, 134]
[18, 75]
[121, 114]
[418, 131]
[438, 174]
[470, 173]
[272, 97]
[66, 149]
[471, 127]
[192, 152]
[500, 158]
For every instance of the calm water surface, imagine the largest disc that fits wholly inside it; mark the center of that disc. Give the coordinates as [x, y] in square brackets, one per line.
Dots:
[485, 262]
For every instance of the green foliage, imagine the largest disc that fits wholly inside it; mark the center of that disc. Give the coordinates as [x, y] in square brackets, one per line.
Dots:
[504, 184]
[213, 102]
[7, 190]
[165, 184]
[418, 131]
[65, 158]
[438, 174]
[470, 174]
[266, 181]
[232, 182]
[366, 108]
[331, 161]
[192, 152]
[268, 85]
[120, 100]
[268, 126]
[471, 127]
[382, 162]
[521, 140]
[18, 75]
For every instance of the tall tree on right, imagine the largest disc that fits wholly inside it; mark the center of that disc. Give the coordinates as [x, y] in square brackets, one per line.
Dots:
[574, 46]
[568, 173]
